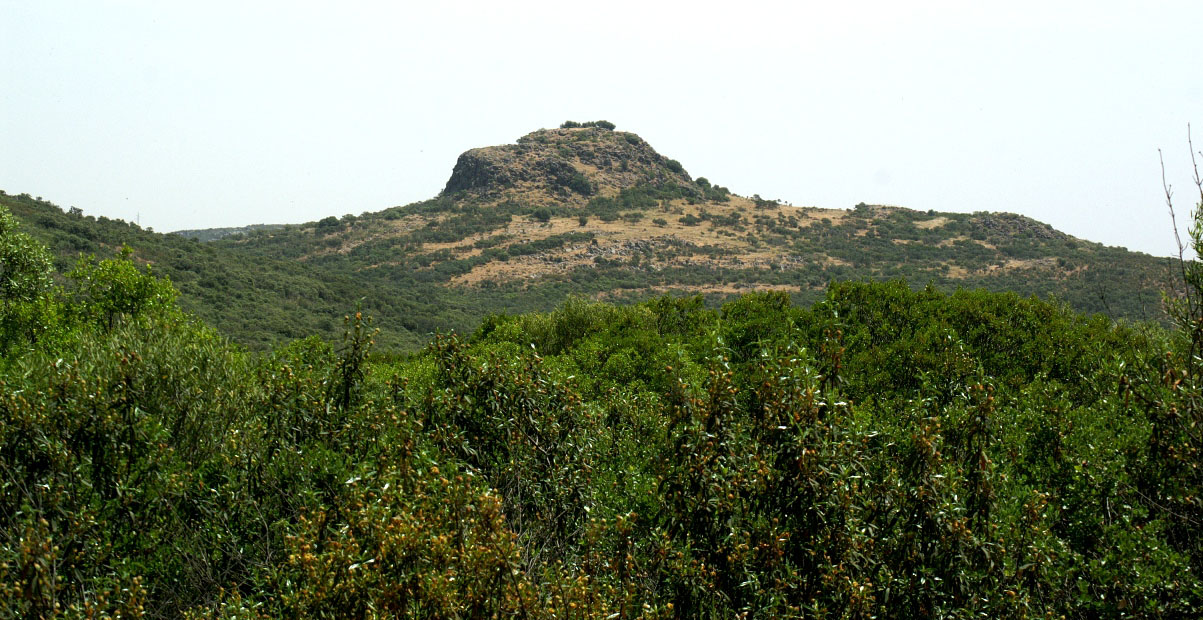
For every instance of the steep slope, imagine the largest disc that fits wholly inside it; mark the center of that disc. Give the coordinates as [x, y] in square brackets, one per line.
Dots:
[588, 210]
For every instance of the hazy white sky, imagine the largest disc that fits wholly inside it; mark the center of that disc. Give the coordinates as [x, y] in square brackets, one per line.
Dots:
[216, 113]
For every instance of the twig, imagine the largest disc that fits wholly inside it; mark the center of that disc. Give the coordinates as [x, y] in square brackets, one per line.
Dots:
[1195, 164]
[1169, 202]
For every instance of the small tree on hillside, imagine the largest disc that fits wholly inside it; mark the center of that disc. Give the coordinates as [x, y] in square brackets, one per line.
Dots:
[24, 284]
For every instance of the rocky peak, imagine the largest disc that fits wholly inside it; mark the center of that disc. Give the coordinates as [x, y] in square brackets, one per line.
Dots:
[569, 164]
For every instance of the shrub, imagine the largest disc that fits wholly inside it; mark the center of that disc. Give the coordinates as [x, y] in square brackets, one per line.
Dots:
[580, 184]
[25, 310]
[328, 224]
[105, 292]
[607, 125]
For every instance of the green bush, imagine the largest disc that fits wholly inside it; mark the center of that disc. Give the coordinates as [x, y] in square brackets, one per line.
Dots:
[26, 312]
[607, 125]
[580, 184]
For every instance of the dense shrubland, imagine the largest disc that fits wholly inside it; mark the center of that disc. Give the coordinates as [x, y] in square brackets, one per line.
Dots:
[883, 452]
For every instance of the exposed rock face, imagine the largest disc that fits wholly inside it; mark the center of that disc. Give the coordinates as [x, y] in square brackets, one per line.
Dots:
[564, 165]
[1016, 226]
[475, 170]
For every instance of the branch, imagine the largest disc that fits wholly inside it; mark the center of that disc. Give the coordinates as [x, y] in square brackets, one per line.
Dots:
[1194, 164]
[1169, 202]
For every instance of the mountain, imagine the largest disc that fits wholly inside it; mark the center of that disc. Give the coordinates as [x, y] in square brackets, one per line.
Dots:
[588, 210]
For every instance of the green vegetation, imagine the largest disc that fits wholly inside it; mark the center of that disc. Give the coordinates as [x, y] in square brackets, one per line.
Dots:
[442, 265]
[883, 452]
[266, 287]
[713, 193]
[256, 298]
[579, 184]
[213, 234]
[24, 285]
[600, 124]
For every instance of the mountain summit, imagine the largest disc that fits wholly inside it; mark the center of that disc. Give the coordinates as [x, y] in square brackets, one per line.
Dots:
[565, 165]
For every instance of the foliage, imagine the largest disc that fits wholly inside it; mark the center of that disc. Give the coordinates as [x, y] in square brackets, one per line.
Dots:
[884, 452]
[103, 292]
[24, 284]
[856, 449]
[607, 125]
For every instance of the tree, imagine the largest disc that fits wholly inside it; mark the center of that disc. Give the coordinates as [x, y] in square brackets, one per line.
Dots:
[1171, 393]
[24, 283]
[114, 288]
[24, 263]
[1186, 304]
[327, 223]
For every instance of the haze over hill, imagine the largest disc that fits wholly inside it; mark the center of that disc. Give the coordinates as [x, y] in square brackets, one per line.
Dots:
[586, 209]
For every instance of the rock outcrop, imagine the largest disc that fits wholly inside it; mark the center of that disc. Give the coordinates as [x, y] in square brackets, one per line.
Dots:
[563, 165]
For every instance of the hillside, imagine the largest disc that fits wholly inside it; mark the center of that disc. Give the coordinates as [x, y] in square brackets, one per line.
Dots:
[592, 211]
[213, 234]
[883, 452]
[257, 302]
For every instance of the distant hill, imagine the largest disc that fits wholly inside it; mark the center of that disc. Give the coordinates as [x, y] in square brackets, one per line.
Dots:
[213, 234]
[588, 210]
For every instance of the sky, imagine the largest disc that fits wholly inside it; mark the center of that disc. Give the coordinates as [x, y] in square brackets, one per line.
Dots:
[182, 115]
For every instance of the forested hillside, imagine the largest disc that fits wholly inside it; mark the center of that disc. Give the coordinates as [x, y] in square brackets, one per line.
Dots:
[258, 302]
[881, 452]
